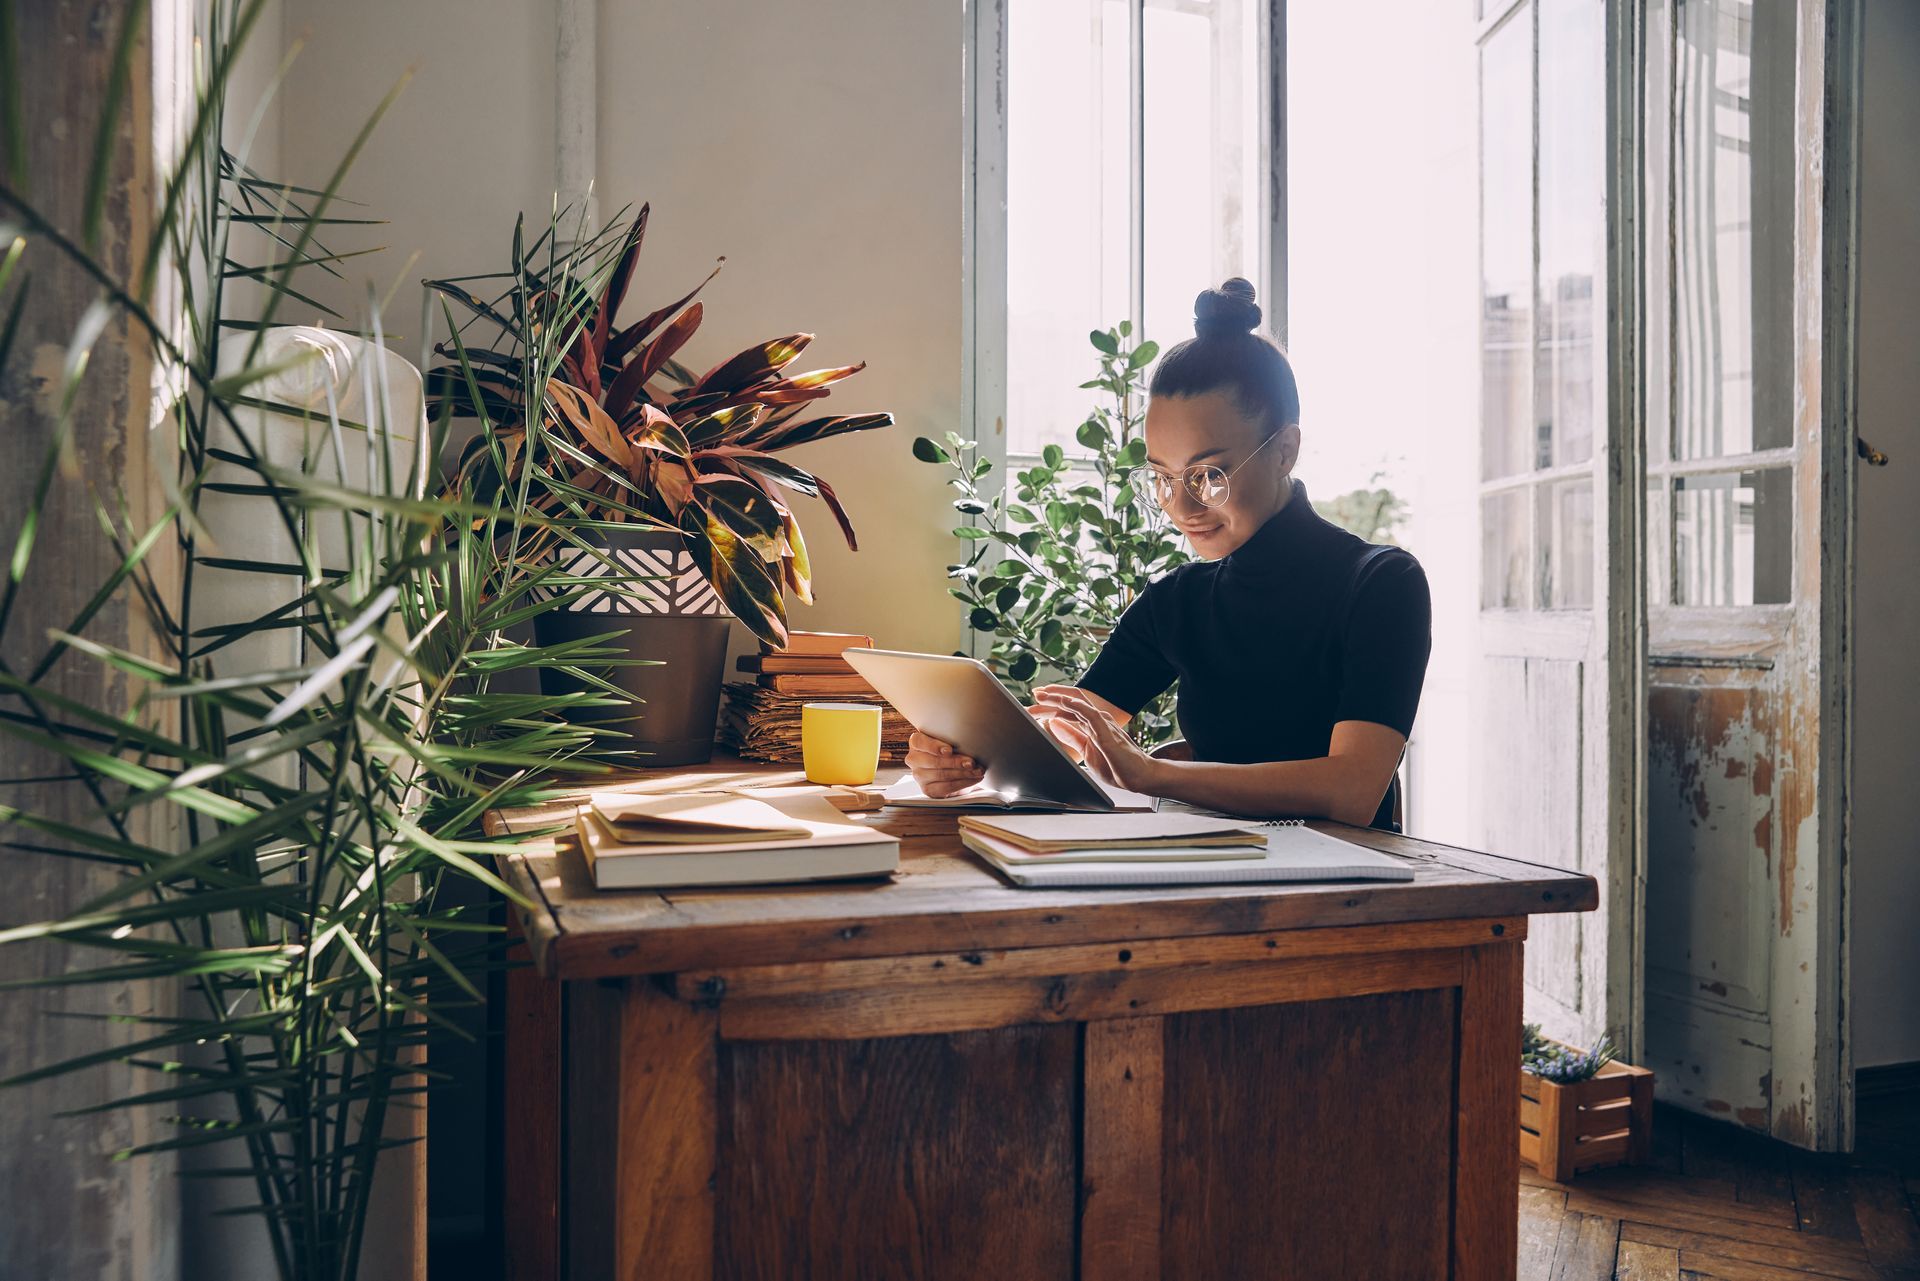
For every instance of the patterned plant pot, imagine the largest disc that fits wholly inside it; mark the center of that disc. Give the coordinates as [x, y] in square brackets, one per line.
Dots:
[679, 622]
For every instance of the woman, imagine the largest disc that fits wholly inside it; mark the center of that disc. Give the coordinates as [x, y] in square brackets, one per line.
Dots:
[1300, 650]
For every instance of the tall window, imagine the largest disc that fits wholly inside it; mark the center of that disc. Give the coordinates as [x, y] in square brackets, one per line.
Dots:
[1721, 478]
[1542, 248]
[1136, 176]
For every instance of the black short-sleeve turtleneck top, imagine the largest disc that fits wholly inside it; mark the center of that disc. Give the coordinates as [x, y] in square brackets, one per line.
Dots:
[1300, 628]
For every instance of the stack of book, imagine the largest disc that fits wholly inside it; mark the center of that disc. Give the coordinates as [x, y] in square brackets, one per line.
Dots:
[650, 842]
[761, 721]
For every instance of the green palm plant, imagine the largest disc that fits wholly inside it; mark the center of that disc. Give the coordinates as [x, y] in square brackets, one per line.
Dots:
[322, 805]
[651, 439]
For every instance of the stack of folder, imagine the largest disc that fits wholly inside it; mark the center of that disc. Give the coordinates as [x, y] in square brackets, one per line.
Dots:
[761, 721]
[1166, 848]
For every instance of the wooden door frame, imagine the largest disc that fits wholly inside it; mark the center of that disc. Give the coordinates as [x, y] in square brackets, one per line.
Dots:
[1825, 306]
[1624, 32]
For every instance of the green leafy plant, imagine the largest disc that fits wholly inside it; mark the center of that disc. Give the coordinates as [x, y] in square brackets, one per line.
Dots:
[1051, 566]
[321, 805]
[656, 441]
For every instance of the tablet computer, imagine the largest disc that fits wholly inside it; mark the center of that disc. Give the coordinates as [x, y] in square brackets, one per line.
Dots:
[957, 699]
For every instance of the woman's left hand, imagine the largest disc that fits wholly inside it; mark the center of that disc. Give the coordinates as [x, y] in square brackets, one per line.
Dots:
[1103, 745]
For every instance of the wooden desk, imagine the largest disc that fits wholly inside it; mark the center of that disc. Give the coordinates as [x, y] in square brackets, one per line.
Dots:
[944, 1076]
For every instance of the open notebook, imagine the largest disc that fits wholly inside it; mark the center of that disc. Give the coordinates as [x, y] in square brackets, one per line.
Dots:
[692, 818]
[1294, 852]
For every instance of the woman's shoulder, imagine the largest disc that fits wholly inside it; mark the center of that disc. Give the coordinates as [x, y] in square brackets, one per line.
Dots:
[1387, 575]
[1388, 561]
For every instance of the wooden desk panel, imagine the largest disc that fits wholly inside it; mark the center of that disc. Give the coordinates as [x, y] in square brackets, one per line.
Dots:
[1311, 1140]
[907, 1156]
[948, 1077]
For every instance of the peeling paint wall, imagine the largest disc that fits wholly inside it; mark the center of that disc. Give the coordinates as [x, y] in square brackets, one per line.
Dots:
[1710, 904]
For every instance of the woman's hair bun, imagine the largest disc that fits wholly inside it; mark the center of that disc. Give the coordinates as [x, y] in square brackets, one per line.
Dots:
[1230, 309]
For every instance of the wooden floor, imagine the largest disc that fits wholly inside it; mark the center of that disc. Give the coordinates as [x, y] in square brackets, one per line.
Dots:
[1717, 1202]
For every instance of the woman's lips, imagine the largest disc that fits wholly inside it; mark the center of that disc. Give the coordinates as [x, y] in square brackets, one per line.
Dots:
[1201, 532]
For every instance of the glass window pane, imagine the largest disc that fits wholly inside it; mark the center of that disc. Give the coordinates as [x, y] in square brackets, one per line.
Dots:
[1382, 204]
[1506, 248]
[1733, 538]
[1503, 551]
[1733, 212]
[1203, 216]
[1566, 544]
[1067, 206]
[1572, 225]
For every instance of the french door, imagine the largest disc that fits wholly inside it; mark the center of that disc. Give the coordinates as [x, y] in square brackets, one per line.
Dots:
[1558, 667]
[1666, 452]
[1749, 457]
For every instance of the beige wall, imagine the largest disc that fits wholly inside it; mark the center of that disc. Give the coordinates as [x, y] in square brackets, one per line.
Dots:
[816, 147]
[1885, 837]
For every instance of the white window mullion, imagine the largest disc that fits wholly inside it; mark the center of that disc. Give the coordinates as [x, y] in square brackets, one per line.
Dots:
[1273, 144]
[1136, 162]
[983, 284]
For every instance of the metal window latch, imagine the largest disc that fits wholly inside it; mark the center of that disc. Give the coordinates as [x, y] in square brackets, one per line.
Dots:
[1873, 457]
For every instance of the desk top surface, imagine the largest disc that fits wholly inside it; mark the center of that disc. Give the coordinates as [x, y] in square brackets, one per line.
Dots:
[944, 899]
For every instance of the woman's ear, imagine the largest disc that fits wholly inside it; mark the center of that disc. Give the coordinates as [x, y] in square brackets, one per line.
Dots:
[1288, 447]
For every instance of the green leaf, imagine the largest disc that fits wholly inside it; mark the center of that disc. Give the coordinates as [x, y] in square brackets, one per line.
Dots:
[983, 620]
[1023, 667]
[1054, 456]
[928, 452]
[1104, 342]
[1143, 355]
[1092, 433]
[743, 508]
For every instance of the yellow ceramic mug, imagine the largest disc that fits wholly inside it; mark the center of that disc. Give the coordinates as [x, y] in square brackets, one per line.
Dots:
[840, 742]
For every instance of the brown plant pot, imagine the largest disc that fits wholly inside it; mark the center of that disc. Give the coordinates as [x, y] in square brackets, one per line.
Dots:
[681, 625]
[1604, 1120]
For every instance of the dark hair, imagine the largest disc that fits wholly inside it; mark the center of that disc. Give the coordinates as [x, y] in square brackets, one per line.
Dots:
[1225, 354]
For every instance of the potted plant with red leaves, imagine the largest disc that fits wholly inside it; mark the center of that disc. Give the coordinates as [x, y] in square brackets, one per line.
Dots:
[692, 508]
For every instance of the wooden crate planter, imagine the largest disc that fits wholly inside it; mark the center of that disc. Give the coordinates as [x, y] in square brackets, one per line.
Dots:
[1604, 1120]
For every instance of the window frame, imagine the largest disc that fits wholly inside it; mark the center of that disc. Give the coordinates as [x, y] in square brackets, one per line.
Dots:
[983, 393]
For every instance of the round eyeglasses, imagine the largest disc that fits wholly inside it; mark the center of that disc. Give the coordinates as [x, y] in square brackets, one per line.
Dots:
[1203, 482]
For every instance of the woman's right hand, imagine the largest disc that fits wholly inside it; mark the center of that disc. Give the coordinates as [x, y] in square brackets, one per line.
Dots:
[939, 769]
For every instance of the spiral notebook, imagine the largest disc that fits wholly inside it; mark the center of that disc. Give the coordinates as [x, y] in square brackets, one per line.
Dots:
[1294, 852]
